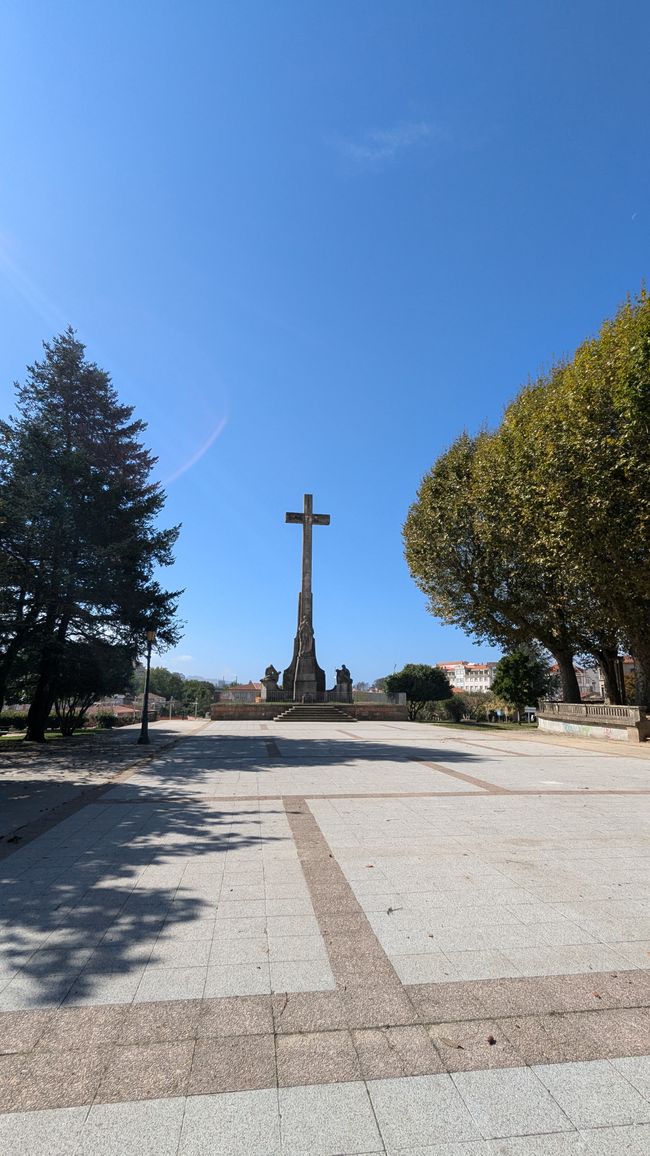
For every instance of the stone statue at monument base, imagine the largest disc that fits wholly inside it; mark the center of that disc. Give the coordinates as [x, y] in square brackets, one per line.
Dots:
[270, 689]
[342, 692]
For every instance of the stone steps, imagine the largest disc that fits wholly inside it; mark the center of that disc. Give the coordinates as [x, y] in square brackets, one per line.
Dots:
[314, 712]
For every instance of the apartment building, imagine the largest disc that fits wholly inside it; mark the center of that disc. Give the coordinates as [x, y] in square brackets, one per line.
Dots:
[471, 676]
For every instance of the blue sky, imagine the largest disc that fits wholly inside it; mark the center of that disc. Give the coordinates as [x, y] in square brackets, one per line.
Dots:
[313, 242]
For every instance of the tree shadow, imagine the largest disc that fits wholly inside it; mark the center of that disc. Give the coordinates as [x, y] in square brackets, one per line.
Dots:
[195, 762]
[95, 898]
[87, 905]
[39, 778]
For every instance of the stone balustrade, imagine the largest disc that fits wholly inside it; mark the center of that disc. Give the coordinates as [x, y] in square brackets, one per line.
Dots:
[595, 720]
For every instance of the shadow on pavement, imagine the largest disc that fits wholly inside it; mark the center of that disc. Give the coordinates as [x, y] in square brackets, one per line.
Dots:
[80, 906]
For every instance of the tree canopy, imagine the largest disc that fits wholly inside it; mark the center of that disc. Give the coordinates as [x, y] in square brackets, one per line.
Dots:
[521, 679]
[540, 530]
[421, 684]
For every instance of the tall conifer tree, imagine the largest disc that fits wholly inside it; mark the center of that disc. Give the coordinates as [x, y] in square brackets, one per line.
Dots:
[78, 510]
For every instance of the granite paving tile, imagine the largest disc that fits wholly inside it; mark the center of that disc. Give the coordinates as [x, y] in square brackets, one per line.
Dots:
[164, 1021]
[91, 991]
[619, 1031]
[395, 1051]
[20, 1031]
[593, 1094]
[241, 927]
[167, 983]
[231, 1124]
[564, 960]
[232, 1064]
[427, 967]
[24, 992]
[83, 1027]
[187, 953]
[635, 1069]
[447, 1001]
[146, 1071]
[308, 1012]
[627, 1140]
[560, 1144]
[235, 1016]
[316, 1058]
[301, 975]
[242, 950]
[237, 979]
[280, 925]
[565, 1036]
[366, 1007]
[52, 1132]
[510, 1102]
[328, 1120]
[142, 1128]
[290, 948]
[477, 1044]
[421, 1110]
[524, 996]
[43, 1079]
[487, 964]
[462, 1148]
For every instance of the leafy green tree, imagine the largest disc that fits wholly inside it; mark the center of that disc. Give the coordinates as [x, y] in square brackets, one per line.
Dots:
[521, 679]
[198, 692]
[81, 545]
[537, 476]
[87, 671]
[474, 704]
[465, 552]
[162, 681]
[453, 708]
[421, 684]
[601, 515]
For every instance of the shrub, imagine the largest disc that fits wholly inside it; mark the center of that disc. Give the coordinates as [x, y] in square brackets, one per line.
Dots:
[13, 721]
[105, 720]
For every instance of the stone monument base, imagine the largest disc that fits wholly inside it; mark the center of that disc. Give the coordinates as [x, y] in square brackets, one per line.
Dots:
[266, 711]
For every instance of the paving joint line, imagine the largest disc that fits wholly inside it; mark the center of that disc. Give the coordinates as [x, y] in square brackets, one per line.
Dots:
[491, 788]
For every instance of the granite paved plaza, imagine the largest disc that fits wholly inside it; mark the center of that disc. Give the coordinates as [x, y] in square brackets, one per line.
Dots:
[365, 938]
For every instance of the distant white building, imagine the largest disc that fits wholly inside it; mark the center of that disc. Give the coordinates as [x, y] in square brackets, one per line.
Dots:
[470, 676]
[589, 681]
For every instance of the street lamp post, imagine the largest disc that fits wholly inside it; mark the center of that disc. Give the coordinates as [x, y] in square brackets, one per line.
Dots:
[144, 725]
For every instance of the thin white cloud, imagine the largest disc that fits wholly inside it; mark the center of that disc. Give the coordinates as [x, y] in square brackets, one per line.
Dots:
[183, 658]
[202, 450]
[381, 146]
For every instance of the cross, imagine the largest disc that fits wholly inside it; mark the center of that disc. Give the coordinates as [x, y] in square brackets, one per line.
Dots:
[308, 519]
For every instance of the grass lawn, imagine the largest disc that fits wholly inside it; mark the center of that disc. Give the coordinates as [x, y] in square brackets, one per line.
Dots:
[50, 736]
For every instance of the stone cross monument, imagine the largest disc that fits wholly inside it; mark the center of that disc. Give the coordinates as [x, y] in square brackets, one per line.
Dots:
[303, 680]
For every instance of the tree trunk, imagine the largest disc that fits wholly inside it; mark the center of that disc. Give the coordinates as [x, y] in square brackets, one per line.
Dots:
[46, 687]
[609, 664]
[40, 707]
[570, 688]
[6, 664]
[642, 676]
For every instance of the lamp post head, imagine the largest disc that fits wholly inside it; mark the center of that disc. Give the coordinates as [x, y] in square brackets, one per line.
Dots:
[150, 636]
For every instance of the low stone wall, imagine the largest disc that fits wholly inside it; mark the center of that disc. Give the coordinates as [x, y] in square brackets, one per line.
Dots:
[590, 720]
[379, 711]
[262, 711]
[244, 710]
